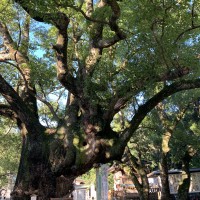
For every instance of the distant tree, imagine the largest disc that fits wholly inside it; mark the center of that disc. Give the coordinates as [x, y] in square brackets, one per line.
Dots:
[138, 173]
[185, 141]
[169, 125]
[162, 134]
[176, 116]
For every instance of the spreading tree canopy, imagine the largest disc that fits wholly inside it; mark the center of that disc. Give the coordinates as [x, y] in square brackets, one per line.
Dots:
[68, 67]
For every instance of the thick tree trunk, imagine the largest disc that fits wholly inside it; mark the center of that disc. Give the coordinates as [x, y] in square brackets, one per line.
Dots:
[165, 192]
[46, 177]
[34, 173]
[64, 184]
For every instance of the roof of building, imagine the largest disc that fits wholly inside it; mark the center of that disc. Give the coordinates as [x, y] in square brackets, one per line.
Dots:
[174, 171]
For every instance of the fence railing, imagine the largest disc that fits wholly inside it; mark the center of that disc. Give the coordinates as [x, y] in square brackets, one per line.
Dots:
[152, 196]
[192, 196]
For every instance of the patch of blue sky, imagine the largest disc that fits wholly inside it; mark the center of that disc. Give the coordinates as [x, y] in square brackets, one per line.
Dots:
[60, 96]
[38, 27]
[39, 53]
[58, 99]
[192, 41]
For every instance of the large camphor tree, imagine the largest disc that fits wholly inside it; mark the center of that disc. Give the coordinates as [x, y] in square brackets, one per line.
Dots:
[106, 54]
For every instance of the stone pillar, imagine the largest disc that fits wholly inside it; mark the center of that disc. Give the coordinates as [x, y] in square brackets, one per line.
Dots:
[33, 197]
[102, 182]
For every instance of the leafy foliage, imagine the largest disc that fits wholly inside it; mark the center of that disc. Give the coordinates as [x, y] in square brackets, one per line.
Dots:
[10, 148]
[87, 77]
